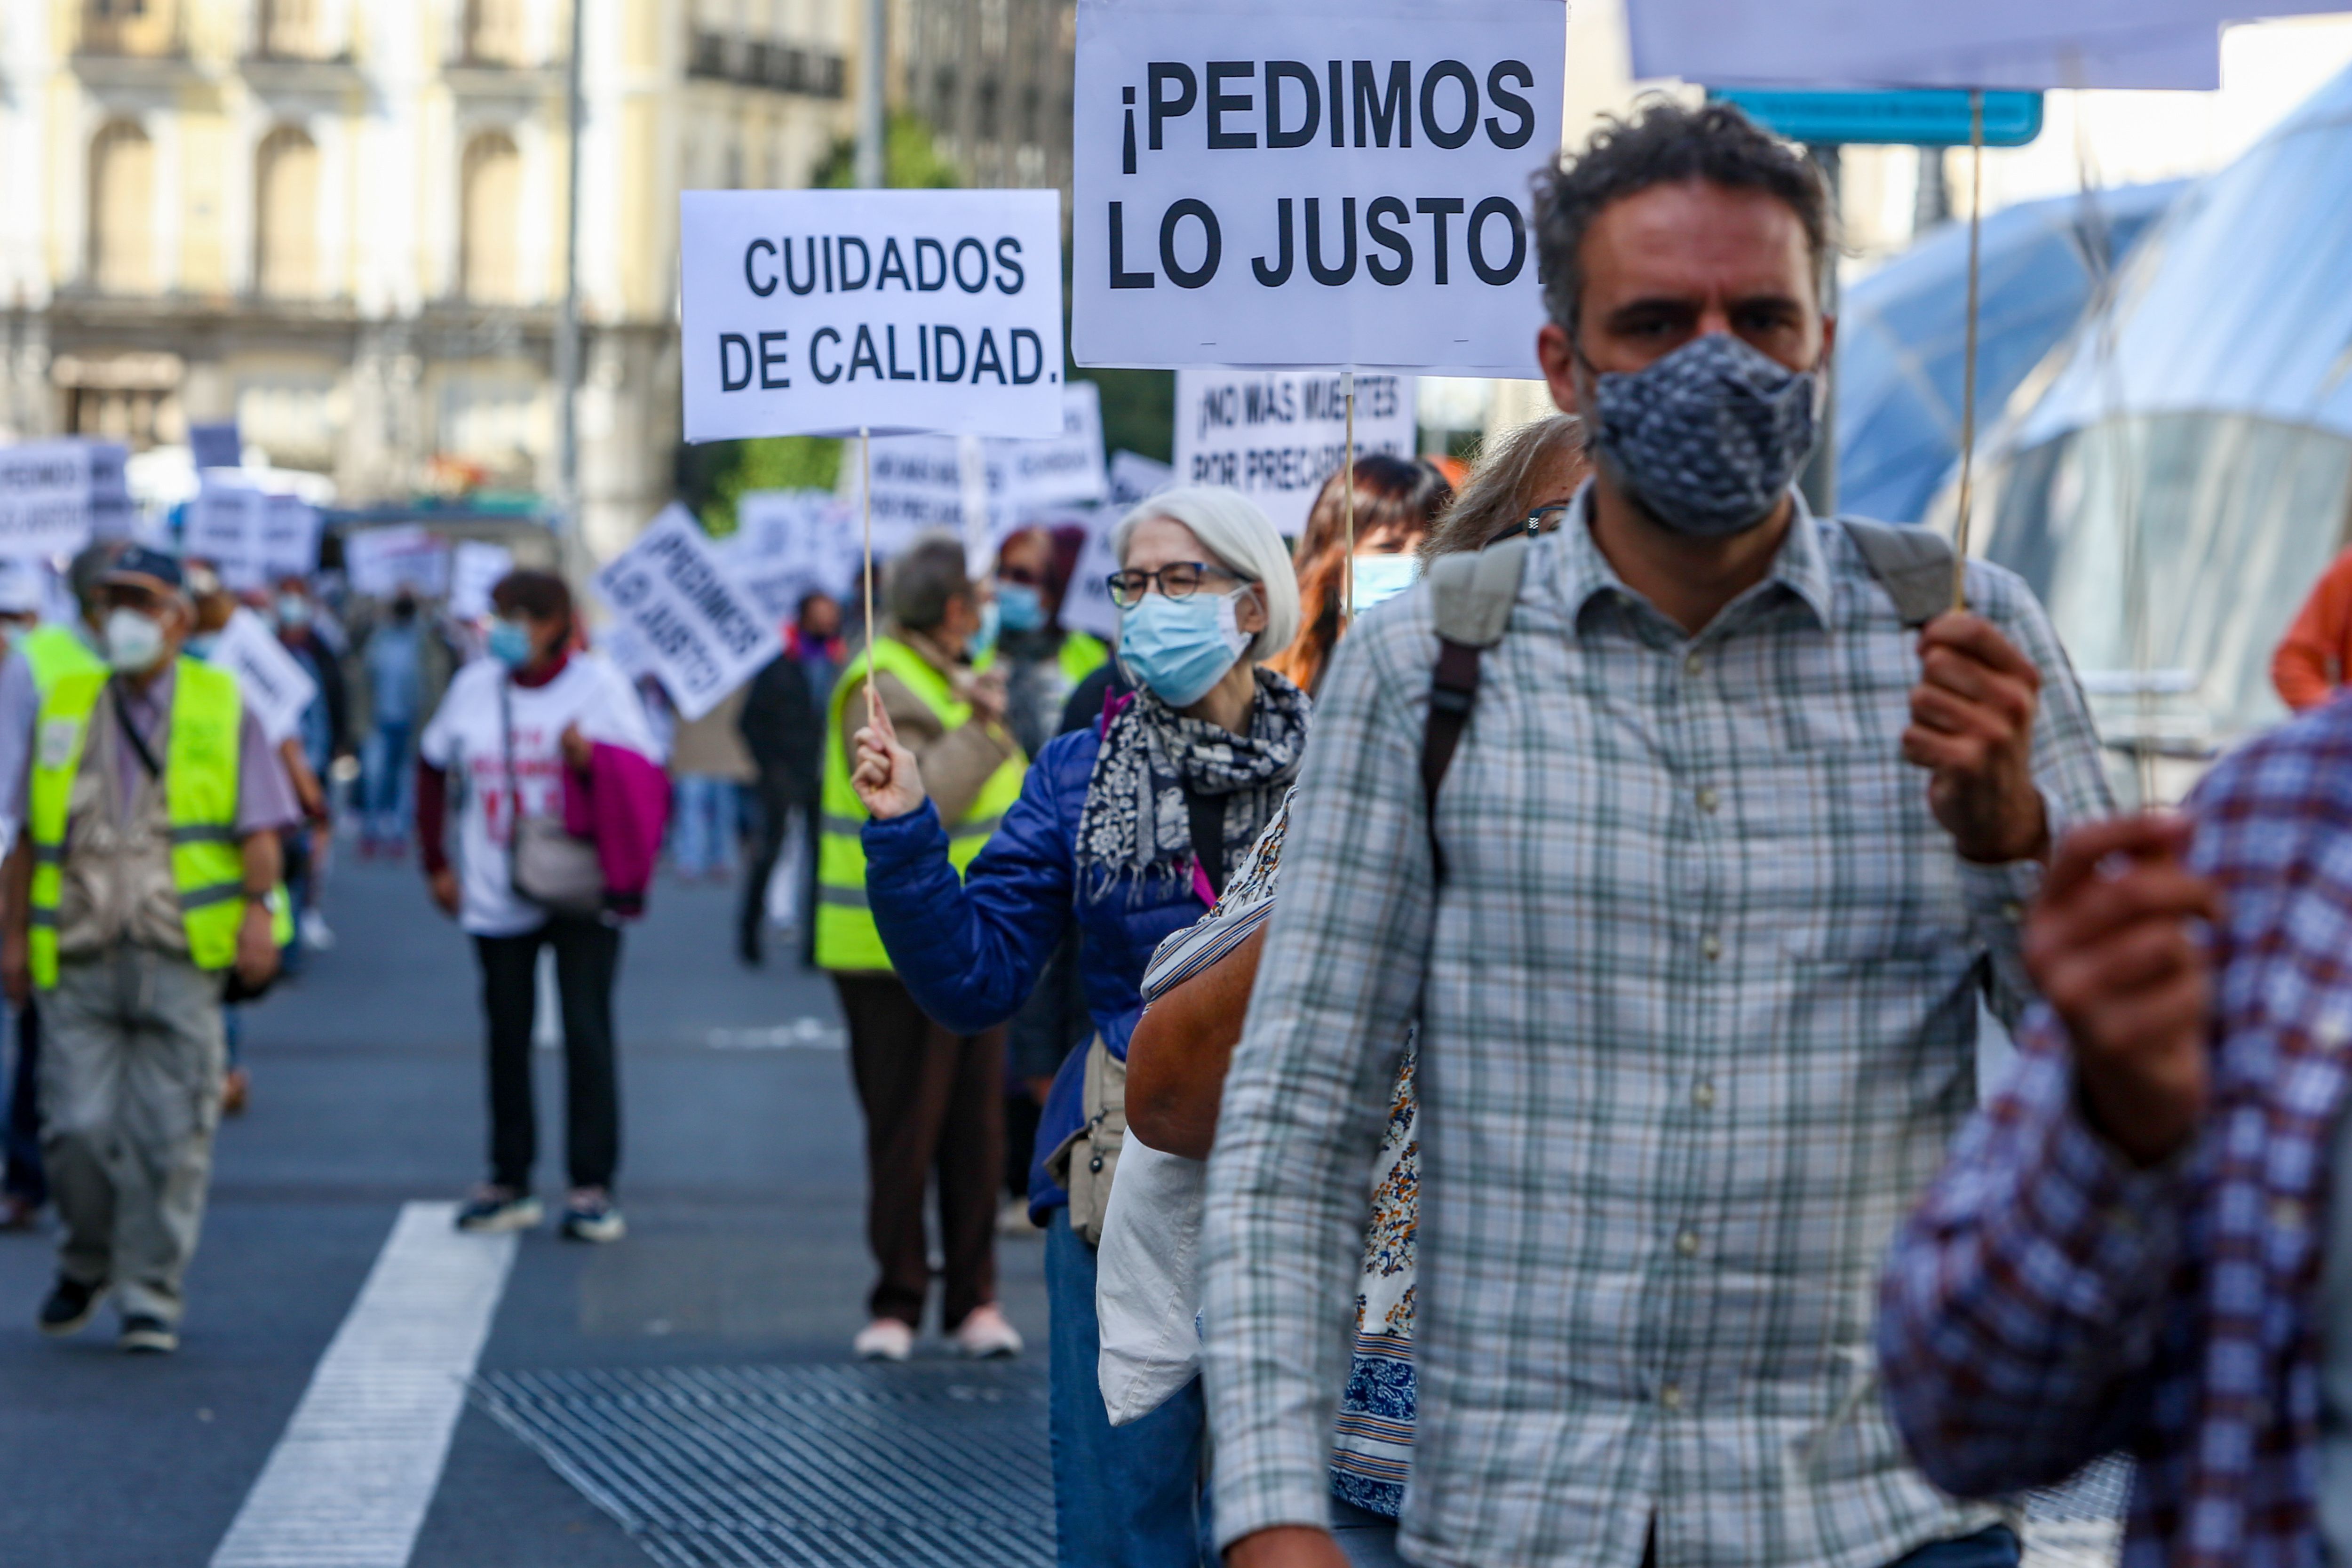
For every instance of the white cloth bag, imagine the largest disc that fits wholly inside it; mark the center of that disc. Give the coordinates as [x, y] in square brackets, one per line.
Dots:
[1148, 1281]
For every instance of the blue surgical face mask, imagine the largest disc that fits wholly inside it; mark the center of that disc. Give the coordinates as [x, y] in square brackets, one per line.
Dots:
[293, 610]
[199, 646]
[1379, 577]
[510, 643]
[1180, 647]
[1708, 437]
[1020, 608]
[983, 643]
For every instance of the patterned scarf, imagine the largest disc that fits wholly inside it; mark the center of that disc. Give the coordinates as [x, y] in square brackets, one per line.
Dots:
[1136, 823]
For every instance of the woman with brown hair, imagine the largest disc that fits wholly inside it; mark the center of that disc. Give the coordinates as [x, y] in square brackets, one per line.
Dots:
[1397, 500]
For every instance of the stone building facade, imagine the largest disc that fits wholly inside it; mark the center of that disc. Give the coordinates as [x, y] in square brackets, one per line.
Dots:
[341, 222]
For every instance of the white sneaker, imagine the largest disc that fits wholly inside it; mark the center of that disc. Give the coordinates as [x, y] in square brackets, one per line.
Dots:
[316, 934]
[986, 1335]
[884, 1339]
[1013, 1219]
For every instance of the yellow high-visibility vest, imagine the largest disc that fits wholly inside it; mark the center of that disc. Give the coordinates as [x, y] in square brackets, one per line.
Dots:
[1082, 654]
[845, 936]
[200, 797]
[55, 652]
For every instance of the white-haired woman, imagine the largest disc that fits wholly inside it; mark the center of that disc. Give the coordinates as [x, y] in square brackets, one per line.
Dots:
[1128, 829]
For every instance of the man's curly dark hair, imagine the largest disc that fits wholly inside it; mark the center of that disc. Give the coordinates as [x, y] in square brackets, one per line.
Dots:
[1664, 143]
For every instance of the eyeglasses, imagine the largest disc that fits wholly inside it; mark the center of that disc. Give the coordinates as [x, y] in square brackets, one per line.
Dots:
[1178, 580]
[1535, 517]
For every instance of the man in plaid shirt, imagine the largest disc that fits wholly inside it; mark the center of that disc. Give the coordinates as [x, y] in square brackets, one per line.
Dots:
[1730, 854]
[2145, 1241]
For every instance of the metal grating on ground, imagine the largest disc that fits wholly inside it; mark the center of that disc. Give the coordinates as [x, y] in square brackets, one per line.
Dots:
[801, 1466]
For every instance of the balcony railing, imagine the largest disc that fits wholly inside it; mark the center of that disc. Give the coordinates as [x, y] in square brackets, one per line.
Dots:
[756, 62]
[139, 29]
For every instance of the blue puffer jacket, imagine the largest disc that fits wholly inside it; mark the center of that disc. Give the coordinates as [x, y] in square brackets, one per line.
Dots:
[971, 950]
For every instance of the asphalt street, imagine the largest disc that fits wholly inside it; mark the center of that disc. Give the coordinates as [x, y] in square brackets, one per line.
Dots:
[740, 1179]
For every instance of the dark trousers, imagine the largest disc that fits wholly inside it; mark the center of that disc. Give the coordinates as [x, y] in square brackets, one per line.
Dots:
[934, 1105]
[24, 1178]
[587, 952]
[775, 799]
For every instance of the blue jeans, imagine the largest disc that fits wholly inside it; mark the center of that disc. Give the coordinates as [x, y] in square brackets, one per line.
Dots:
[385, 784]
[704, 832]
[1368, 1539]
[1124, 1496]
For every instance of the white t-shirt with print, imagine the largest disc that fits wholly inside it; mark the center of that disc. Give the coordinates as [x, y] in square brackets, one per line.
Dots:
[465, 740]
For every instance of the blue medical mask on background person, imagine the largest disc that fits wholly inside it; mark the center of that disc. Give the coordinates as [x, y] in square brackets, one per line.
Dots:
[1180, 647]
[134, 641]
[200, 644]
[983, 643]
[1373, 578]
[510, 643]
[1020, 608]
[293, 610]
[1708, 437]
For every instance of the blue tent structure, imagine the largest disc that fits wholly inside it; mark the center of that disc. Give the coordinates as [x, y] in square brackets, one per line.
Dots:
[1902, 332]
[2185, 470]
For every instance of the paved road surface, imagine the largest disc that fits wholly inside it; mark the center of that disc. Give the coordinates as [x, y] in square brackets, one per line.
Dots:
[740, 1180]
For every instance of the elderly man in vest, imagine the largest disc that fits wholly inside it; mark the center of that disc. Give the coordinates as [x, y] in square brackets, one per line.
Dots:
[146, 870]
[934, 1100]
[38, 656]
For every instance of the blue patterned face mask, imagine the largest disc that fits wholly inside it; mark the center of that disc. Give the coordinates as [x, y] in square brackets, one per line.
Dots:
[1708, 437]
[510, 643]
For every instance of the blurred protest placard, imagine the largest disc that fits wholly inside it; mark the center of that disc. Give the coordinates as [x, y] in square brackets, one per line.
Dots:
[1239, 198]
[379, 562]
[216, 446]
[54, 495]
[276, 686]
[1134, 477]
[826, 312]
[702, 633]
[982, 489]
[474, 567]
[1276, 436]
[1087, 604]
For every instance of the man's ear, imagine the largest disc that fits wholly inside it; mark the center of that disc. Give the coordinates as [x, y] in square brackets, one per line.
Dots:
[1557, 353]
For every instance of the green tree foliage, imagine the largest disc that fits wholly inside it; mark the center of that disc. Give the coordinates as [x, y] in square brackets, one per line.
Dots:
[911, 160]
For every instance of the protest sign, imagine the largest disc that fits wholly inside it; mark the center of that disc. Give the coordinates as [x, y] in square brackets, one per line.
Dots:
[981, 489]
[828, 312]
[1087, 604]
[1241, 197]
[474, 567]
[54, 494]
[216, 446]
[1058, 470]
[275, 685]
[381, 562]
[222, 525]
[289, 537]
[1275, 437]
[704, 636]
[1134, 477]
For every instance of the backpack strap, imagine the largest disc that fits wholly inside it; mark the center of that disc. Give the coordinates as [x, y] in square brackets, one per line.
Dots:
[1913, 564]
[1473, 595]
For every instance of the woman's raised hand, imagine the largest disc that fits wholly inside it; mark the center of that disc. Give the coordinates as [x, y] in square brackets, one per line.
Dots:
[884, 774]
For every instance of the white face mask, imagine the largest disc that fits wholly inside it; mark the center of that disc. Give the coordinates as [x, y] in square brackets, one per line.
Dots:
[134, 641]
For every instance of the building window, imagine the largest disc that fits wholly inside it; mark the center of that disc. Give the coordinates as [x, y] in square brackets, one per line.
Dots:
[494, 32]
[130, 26]
[1033, 102]
[286, 205]
[943, 98]
[291, 30]
[986, 110]
[490, 267]
[123, 209]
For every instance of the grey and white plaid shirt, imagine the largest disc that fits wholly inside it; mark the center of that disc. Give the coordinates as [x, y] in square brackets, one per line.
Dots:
[1698, 1012]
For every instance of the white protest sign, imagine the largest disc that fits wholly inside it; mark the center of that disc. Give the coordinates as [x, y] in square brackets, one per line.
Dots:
[703, 634]
[919, 487]
[223, 525]
[475, 565]
[1242, 198]
[381, 562]
[1060, 470]
[1134, 475]
[2024, 44]
[54, 494]
[289, 537]
[1276, 436]
[1087, 604]
[275, 685]
[823, 312]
